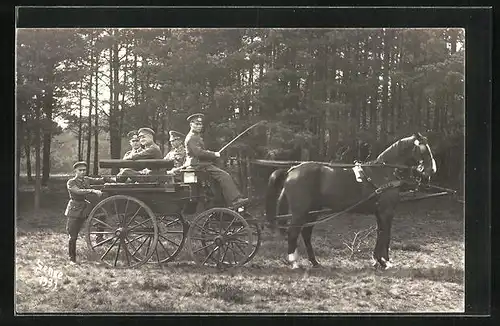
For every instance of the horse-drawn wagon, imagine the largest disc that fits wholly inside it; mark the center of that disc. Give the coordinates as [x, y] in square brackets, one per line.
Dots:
[154, 217]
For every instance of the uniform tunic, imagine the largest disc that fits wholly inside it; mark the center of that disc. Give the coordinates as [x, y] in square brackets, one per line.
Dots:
[177, 155]
[149, 152]
[197, 155]
[78, 207]
[78, 188]
[129, 154]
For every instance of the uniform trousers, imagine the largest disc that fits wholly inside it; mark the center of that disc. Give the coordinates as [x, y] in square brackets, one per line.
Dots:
[126, 173]
[229, 189]
[73, 227]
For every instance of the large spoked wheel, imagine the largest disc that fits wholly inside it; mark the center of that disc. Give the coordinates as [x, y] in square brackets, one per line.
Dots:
[122, 232]
[256, 232]
[220, 237]
[172, 230]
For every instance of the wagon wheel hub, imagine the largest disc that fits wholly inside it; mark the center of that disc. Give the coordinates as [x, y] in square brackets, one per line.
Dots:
[121, 232]
[219, 240]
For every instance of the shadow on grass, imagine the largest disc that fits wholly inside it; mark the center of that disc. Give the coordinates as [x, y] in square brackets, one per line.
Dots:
[438, 273]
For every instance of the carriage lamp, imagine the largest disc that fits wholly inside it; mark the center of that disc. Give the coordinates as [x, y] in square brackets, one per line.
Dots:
[190, 177]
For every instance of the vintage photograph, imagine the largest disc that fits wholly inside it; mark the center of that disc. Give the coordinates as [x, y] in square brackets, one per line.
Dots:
[240, 170]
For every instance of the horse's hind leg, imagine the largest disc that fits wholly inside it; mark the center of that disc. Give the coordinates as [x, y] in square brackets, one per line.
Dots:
[282, 208]
[293, 235]
[306, 235]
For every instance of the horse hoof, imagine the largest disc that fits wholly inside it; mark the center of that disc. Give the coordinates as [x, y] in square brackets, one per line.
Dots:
[295, 265]
[317, 265]
[386, 264]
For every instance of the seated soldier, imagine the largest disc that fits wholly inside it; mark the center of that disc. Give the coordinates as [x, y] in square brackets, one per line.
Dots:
[149, 150]
[197, 155]
[134, 144]
[177, 152]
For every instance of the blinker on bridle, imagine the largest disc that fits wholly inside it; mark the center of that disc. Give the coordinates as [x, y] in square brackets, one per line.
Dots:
[420, 167]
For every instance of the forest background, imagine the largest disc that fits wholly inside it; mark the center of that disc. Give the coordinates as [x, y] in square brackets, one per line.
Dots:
[321, 91]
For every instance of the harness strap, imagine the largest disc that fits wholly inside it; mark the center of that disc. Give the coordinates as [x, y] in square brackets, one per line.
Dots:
[378, 191]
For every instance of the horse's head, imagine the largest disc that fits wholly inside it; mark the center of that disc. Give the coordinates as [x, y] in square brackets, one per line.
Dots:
[423, 155]
[413, 150]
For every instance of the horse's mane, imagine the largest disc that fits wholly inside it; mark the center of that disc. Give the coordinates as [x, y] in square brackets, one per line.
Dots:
[392, 152]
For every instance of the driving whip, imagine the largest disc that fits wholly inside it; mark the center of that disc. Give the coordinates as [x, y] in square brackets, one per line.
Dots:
[241, 134]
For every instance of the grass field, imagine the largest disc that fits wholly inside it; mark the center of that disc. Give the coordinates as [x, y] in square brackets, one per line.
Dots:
[427, 249]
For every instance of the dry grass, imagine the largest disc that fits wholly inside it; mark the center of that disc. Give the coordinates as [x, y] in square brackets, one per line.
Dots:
[427, 247]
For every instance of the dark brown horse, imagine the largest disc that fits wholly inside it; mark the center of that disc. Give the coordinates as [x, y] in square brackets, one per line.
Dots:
[313, 186]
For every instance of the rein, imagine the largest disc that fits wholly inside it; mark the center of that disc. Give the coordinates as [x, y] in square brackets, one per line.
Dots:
[332, 165]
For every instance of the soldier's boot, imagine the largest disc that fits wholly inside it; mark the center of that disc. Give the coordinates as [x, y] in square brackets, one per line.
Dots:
[72, 249]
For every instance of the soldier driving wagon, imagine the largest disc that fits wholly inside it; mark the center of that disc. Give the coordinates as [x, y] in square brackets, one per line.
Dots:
[197, 155]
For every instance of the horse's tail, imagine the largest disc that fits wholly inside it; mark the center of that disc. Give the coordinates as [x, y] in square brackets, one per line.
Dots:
[274, 187]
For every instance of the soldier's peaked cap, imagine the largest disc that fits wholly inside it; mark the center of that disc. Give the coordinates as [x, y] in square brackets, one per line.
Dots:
[175, 134]
[196, 117]
[132, 134]
[80, 163]
[146, 130]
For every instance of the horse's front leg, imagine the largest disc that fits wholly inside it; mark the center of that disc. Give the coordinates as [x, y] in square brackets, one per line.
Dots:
[384, 225]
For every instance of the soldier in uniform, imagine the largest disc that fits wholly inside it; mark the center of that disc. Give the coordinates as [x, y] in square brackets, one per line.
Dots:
[149, 150]
[197, 155]
[134, 144]
[177, 152]
[78, 207]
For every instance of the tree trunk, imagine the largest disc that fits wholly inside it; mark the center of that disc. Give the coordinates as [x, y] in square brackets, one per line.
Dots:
[134, 73]
[419, 108]
[19, 148]
[428, 122]
[89, 135]
[385, 88]
[96, 120]
[48, 107]
[123, 105]
[398, 106]
[38, 183]
[392, 97]
[27, 153]
[114, 128]
[80, 130]
[111, 117]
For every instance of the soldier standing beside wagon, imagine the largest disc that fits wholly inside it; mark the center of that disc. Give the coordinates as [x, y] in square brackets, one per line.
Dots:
[78, 206]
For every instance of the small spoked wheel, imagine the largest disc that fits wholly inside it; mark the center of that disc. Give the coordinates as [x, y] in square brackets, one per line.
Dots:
[220, 237]
[122, 232]
[172, 230]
